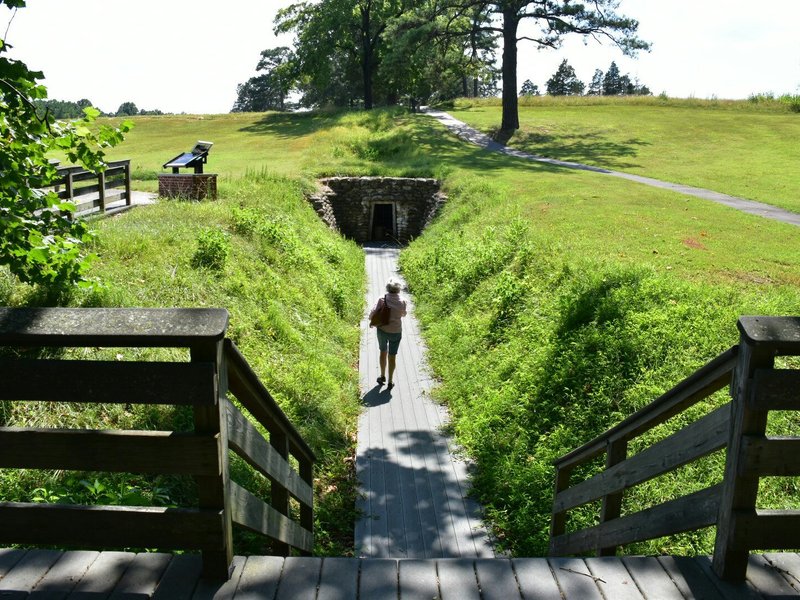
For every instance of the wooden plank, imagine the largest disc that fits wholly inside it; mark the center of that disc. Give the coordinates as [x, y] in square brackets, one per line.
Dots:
[180, 578]
[684, 514]
[535, 579]
[64, 575]
[378, 579]
[108, 526]
[107, 381]
[651, 578]
[418, 580]
[776, 529]
[457, 579]
[574, 579]
[251, 512]
[767, 579]
[18, 583]
[339, 579]
[102, 576]
[220, 588]
[299, 578]
[496, 579]
[613, 578]
[8, 558]
[141, 577]
[691, 580]
[787, 564]
[248, 442]
[776, 389]
[160, 452]
[111, 327]
[729, 590]
[694, 441]
[702, 383]
[260, 577]
[611, 508]
[770, 457]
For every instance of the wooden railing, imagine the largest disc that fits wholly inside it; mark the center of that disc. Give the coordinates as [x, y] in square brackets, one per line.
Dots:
[95, 192]
[215, 368]
[740, 426]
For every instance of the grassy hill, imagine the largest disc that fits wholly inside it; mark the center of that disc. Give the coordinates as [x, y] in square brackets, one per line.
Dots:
[554, 301]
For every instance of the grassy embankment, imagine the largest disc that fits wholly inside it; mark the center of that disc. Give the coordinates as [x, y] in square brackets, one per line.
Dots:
[555, 301]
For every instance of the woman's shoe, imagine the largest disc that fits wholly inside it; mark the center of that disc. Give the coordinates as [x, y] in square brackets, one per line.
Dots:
[381, 380]
[390, 385]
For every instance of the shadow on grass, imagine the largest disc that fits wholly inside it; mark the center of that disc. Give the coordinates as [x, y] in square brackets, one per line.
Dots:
[589, 148]
[296, 124]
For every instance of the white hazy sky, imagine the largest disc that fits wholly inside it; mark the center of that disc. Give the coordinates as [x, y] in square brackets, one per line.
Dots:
[189, 56]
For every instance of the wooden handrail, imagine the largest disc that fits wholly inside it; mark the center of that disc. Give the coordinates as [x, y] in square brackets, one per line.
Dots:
[739, 427]
[216, 367]
[95, 197]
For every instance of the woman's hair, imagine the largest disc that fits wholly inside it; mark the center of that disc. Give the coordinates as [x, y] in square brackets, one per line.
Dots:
[393, 285]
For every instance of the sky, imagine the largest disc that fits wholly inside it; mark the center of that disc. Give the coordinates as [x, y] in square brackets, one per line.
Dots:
[190, 56]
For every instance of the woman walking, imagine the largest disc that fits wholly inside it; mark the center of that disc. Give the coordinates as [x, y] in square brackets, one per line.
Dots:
[390, 333]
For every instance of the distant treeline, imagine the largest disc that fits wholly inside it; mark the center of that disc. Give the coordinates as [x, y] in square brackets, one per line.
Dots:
[564, 82]
[66, 109]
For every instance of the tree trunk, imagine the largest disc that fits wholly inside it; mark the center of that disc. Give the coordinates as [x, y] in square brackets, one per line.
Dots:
[366, 57]
[510, 108]
[464, 87]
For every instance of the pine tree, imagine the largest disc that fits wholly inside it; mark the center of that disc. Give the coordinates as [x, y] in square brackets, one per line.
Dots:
[529, 89]
[564, 82]
[596, 85]
[612, 85]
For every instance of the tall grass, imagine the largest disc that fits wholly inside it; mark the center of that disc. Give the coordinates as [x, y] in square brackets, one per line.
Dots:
[540, 347]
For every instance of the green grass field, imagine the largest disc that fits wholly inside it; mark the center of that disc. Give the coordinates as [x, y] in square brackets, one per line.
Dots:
[554, 301]
[737, 148]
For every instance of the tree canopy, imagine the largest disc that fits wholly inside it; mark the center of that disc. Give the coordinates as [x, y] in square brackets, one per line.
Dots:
[40, 241]
[564, 82]
[267, 91]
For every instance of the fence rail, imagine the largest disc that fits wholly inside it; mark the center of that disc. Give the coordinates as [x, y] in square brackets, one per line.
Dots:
[95, 192]
[215, 368]
[739, 427]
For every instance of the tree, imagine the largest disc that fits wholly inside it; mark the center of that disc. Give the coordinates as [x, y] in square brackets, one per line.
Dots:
[612, 83]
[40, 241]
[564, 82]
[267, 91]
[333, 30]
[555, 19]
[127, 109]
[529, 88]
[596, 85]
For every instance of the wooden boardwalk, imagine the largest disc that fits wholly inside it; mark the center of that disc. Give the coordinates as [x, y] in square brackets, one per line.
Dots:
[83, 575]
[414, 502]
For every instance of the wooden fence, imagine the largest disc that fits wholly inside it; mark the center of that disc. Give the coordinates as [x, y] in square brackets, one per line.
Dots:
[215, 368]
[95, 192]
[739, 427]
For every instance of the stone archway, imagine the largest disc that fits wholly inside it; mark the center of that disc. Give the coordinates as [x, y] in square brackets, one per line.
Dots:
[382, 209]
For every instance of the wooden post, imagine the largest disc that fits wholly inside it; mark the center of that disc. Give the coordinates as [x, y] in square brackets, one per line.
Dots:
[739, 491]
[213, 492]
[101, 184]
[558, 522]
[279, 496]
[616, 452]
[68, 185]
[307, 511]
[128, 198]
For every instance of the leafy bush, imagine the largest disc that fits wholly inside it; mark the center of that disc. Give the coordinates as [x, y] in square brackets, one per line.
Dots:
[213, 247]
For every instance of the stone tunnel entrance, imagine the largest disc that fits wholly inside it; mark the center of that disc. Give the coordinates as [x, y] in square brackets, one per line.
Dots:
[378, 209]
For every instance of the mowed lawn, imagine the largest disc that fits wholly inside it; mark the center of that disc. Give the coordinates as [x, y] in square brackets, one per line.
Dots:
[738, 148]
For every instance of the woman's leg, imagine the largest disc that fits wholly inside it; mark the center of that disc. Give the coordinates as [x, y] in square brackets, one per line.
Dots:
[392, 362]
[382, 363]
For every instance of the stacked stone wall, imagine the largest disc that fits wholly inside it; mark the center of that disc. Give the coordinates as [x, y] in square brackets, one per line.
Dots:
[347, 203]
